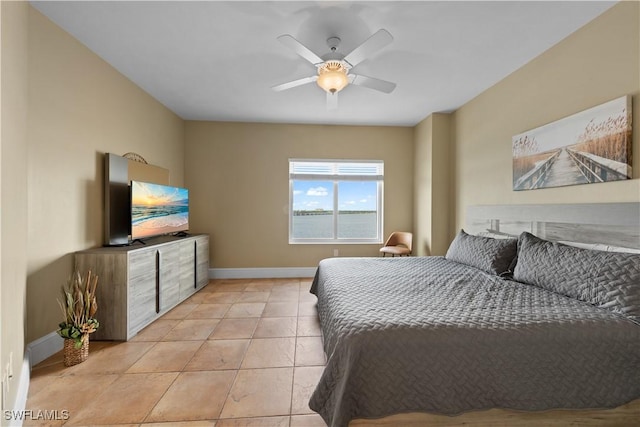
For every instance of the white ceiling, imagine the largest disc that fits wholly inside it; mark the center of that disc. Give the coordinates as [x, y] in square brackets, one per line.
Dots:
[218, 60]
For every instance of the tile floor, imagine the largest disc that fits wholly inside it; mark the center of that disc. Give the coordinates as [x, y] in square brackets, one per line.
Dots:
[239, 353]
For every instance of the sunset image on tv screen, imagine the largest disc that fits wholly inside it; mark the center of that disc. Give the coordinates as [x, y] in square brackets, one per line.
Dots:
[158, 209]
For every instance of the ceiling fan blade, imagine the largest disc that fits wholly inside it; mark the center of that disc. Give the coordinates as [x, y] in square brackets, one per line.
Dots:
[332, 101]
[300, 49]
[371, 45]
[372, 83]
[299, 82]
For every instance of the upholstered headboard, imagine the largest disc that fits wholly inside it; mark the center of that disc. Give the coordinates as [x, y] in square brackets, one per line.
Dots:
[608, 223]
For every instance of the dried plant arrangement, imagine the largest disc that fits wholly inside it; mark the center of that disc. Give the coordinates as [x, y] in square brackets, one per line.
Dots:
[79, 307]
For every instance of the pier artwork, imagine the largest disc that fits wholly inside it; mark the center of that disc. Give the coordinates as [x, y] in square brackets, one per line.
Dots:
[588, 147]
[564, 171]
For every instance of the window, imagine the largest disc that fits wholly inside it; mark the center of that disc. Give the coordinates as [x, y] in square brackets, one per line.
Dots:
[335, 201]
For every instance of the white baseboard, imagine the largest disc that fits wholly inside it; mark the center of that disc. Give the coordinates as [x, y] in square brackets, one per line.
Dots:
[21, 397]
[14, 416]
[43, 347]
[261, 273]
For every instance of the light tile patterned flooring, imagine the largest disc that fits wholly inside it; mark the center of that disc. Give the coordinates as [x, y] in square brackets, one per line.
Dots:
[239, 353]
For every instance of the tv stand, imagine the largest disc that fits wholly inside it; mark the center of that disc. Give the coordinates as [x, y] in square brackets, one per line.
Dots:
[138, 284]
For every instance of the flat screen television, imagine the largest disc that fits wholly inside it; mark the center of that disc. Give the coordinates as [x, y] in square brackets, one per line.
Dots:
[158, 209]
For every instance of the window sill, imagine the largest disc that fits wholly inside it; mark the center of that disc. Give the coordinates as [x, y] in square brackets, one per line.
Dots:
[334, 242]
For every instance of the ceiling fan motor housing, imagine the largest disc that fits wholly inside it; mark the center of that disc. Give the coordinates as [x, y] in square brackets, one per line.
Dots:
[333, 43]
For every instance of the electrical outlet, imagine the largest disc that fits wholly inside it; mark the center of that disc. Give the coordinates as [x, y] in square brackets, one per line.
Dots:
[336, 252]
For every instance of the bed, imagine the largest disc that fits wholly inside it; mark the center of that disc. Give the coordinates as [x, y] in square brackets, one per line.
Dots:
[559, 328]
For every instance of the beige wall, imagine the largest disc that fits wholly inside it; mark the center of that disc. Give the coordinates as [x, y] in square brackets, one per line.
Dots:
[433, 185]
[79, 108]
[597, 63]
[237, 175]
[13, 199]
[422, 182]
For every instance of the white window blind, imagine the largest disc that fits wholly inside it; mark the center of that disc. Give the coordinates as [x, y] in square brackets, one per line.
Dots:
[337, 169]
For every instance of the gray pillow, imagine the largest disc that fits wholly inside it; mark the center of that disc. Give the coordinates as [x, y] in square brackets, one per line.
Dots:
[491, 255]
[609, 280]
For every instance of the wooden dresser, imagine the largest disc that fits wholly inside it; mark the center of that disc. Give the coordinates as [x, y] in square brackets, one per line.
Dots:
[139, 283]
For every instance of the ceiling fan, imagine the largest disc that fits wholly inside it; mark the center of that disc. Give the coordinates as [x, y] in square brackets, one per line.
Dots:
[334, 68]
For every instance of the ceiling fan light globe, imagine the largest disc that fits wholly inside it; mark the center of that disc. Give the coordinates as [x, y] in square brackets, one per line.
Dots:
[333, 81]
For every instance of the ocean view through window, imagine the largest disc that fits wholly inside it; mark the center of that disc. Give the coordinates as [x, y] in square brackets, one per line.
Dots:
[335, 201]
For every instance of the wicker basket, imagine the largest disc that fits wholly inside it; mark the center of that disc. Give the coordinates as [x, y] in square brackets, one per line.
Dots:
[73, 355]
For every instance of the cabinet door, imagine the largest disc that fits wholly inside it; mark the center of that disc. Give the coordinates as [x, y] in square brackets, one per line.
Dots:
[187, 268]
[202, 261]
[168, 260]
[111, 293]
[142, 289]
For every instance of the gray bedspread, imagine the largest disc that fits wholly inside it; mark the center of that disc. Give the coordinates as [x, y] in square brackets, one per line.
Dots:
[425, 334]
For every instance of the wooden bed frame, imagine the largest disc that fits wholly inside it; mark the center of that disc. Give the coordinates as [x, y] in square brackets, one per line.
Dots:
[616, 224]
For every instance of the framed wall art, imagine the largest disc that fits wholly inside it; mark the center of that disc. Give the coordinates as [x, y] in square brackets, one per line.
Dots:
[588, 147]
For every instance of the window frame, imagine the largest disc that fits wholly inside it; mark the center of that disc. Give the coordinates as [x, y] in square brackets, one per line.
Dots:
[349, 173]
